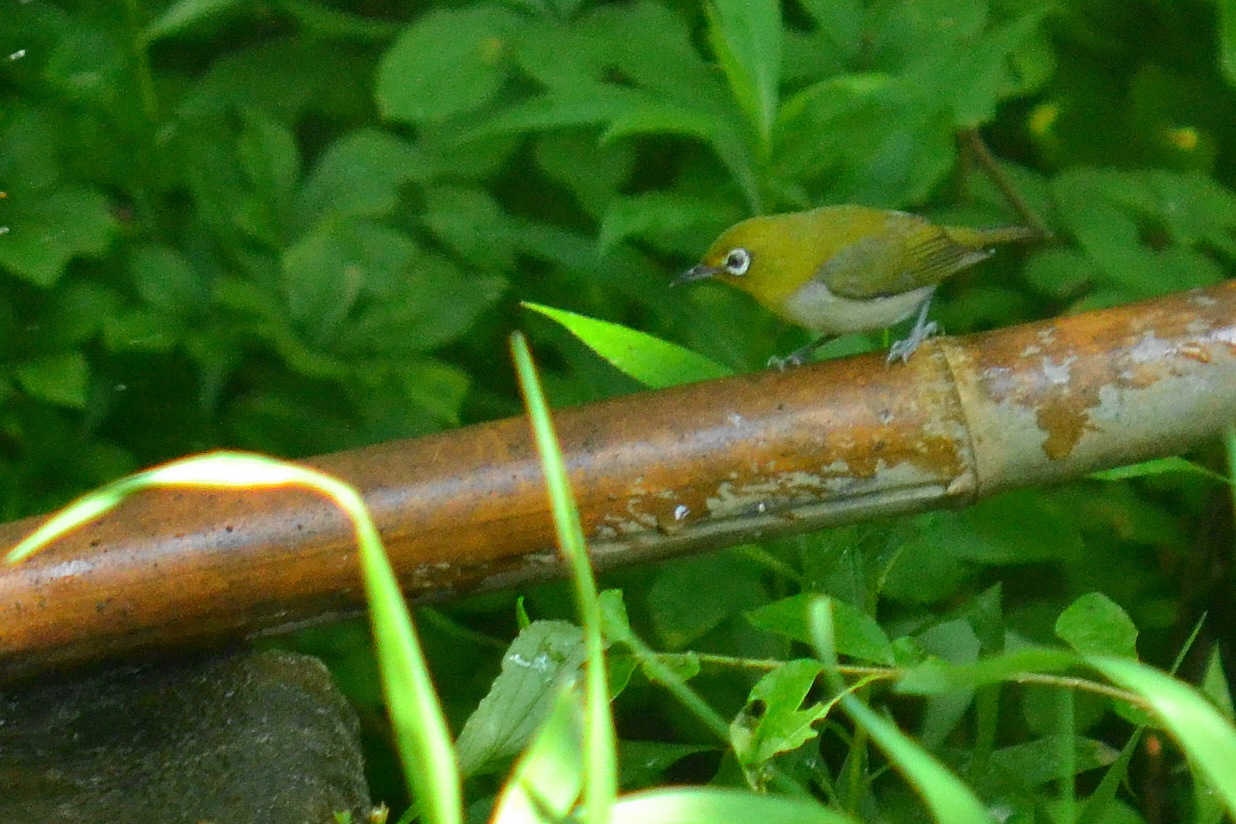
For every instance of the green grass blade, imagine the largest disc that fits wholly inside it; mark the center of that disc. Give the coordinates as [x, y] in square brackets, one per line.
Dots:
[651, 361]
[709, 805]
[1207, 738]
[600, 749]
[945, 795]
[424, 741]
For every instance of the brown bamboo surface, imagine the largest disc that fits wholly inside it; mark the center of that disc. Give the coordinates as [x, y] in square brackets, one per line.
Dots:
[655, 473]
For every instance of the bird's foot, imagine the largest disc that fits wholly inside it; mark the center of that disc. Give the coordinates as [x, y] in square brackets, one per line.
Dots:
[799, 356]
[903, 349]
[781, 364]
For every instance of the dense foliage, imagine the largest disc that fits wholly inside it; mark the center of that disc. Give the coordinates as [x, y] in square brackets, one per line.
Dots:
[296, 226]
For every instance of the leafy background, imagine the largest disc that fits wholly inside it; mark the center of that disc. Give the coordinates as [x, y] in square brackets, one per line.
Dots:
[296, 227]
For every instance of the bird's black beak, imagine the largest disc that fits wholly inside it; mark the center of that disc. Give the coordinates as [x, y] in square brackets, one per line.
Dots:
[698, 272]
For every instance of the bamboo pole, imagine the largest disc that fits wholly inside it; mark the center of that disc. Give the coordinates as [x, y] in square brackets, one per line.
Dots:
[656, 473]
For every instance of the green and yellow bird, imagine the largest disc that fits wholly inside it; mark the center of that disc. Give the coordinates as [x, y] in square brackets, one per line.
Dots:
[842, 269]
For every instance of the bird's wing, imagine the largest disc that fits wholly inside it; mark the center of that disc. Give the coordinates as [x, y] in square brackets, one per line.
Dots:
[900, 260]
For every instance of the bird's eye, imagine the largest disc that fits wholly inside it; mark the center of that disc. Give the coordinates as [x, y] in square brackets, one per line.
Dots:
[738, 261]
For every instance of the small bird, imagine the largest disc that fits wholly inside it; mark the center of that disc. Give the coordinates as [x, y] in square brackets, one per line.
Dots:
[841, 269]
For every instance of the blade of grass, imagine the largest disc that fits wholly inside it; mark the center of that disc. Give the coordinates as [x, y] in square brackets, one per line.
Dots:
[945, 795]
[425, 747]
[1207, 738]
[600, 750]
[651, 361]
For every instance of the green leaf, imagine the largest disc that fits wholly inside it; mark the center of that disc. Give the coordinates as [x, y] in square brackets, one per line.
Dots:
[470, 222]
[268, 155]
[141, 330]
[448, 62]
[185, 13]
[644, 763]
[166, 280]
[48, 229]
[651, 361]
[430, 304]
[654, 215]
[326, 22]
[655, 117]
[57, 379]
[548, 777]
[437, 386]
[87, 65]
[360, 174]
[774, 720]
[1096, 625]
[690, 597]
[324, 272]
[841, 21]
[746, 35]
[857, 634]
[538, 662]
[1227, 39]
[1038, 762]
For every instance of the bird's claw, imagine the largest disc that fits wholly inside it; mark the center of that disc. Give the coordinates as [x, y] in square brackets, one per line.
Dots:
[903, 349]
[780, 364]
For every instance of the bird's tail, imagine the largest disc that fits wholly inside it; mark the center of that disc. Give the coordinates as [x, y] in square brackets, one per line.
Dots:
[980, 238]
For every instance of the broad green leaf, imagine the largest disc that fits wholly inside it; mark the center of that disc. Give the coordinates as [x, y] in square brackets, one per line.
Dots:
[841, 21]
[644, 763]
[166, 280]
[857, 634]
[651, 361]
[656, 214]
[746, 35]
[654, 117]
[775, 720]
[47, 229]
[548, 777]
[429, 303]
[87, 66]
[1096, 625]
[268, 154]
[539, 661]
[1038, 761]
[142, 330]
[690, 597]
[471, 223]
[590, 105]
[360, 174]
[61, 379]
[984, 75]
[448, 62]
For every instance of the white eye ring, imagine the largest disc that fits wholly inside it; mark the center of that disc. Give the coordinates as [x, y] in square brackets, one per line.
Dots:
[737, 262]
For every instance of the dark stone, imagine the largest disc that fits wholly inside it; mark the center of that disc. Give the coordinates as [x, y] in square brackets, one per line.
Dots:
[253, 737]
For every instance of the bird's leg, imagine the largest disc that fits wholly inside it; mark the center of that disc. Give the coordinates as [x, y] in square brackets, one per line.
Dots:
[799, 356]
[923, 329]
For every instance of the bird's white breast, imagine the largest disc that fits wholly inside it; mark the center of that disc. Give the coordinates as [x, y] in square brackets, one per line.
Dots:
[818, 309]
